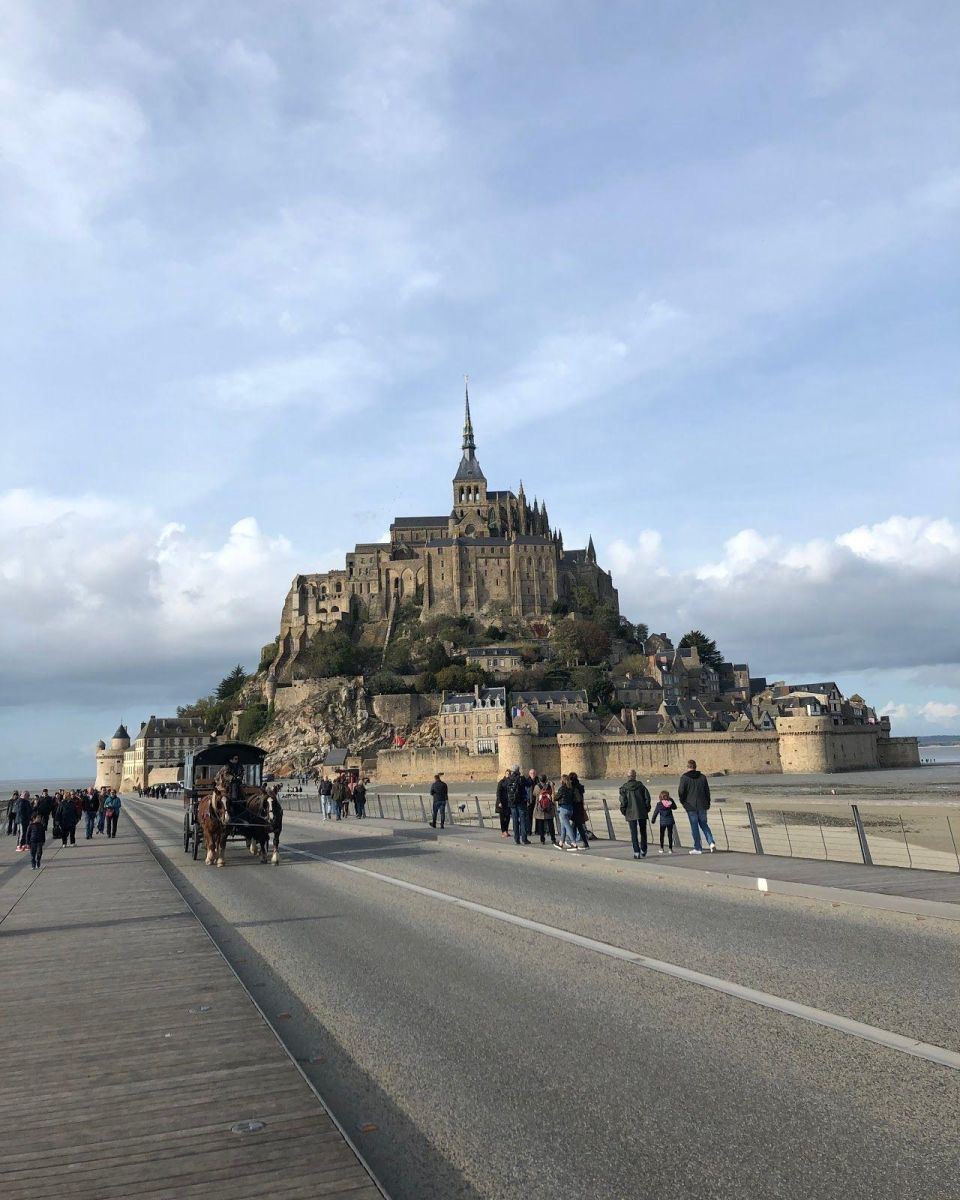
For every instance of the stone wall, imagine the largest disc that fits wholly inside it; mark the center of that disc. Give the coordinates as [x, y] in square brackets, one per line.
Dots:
[419, 765]
[899, 752]
[815, 744]
[405, 711]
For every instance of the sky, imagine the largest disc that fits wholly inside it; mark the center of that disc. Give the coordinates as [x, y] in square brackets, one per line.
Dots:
[699, 262]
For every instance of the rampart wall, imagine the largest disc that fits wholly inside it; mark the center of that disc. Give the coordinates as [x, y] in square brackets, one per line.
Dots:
[419, 764]
[899, 752]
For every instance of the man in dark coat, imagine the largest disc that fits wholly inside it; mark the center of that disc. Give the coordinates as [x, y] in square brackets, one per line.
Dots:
[91, 806]
[67, 820]
[24, 813]
[516, 788]
[440, 793]
[45, 806]
[635, 806]
[694, 795]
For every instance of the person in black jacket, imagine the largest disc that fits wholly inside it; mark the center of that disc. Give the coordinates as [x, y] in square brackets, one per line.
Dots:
[67, 820]
[579, 811]
[12, 812]
[440, 793]
[694, 794]
[91, 806]
[24, 813]
[503, 805]
[35, 839]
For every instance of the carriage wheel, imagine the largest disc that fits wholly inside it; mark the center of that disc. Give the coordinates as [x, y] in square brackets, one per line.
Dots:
[186, 834]
[196, 844]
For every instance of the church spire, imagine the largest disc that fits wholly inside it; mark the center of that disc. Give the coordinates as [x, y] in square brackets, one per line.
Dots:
[469, 445]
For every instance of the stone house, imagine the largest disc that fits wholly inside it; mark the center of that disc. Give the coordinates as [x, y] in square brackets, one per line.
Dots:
[473, 720]
[545, 713]
[161, 744]
[498, 661]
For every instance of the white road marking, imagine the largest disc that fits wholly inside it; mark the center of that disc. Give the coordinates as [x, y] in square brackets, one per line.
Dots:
[804, 1012]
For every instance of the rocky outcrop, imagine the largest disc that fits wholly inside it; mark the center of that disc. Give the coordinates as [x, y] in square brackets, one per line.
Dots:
[331, 712]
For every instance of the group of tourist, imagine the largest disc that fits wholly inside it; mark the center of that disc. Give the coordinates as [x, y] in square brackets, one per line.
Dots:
[29, 817]
[336, 796]
[532, 804]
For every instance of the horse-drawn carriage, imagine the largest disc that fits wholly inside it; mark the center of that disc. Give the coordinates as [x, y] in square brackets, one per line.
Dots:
[224, 797]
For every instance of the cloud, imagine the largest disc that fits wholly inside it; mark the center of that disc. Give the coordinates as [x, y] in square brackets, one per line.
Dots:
[937, 710]
[881, 596]
[897, 712]
[337, 380]
[93, 594]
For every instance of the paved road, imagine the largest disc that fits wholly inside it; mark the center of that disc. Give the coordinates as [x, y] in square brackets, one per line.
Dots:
[498, 1061]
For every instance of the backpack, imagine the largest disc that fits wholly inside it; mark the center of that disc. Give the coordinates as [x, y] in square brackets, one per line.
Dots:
[545, 801]
[515, 789]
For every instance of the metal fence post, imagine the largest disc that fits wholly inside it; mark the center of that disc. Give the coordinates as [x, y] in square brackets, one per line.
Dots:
[400, 807]
[723, 826]
[757, 844]
[861, 836]
[423, 811]
[606, 812]
[476, 801]
[954, 841]
[826, 852]
[380, 806]
[786, 830]
[905, 842]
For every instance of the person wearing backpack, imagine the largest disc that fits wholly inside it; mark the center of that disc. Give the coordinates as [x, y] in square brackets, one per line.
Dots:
[543, 810]
[517, 797]
[635, 806]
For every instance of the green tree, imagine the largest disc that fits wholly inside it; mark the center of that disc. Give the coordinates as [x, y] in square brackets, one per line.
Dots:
[706, 648]
[595, 682]
[582, 642]
[397, 658]
[232, 683]
[385, 683]
[459, 679]
[253, 722]
[329, 654]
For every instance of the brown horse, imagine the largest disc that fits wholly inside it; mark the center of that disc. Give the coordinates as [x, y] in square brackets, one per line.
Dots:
[212, 818]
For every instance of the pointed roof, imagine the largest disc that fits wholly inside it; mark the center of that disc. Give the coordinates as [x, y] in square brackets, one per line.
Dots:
[122, 732]
[469, 467]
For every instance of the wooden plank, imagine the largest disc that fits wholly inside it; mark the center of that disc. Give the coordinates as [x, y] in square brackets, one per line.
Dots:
[129, 1093]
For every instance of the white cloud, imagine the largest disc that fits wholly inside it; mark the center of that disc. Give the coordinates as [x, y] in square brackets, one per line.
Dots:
[875, 597]
[94, 592]
[897, 712]
[938, 710]
[338, 380]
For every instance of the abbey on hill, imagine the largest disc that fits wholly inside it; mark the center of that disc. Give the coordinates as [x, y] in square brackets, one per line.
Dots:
[492, 552]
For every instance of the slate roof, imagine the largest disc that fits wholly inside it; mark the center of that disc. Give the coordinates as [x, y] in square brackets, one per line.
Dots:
[469, 469]
[122, 732]
[336, 757]
[568, 696]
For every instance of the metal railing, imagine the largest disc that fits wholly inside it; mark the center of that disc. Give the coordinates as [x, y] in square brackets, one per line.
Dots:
[921, 838]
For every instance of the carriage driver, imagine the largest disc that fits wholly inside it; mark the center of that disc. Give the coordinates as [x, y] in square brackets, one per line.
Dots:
[233, 780]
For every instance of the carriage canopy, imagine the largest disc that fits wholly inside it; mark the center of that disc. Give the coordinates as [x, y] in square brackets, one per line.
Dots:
[201, 766]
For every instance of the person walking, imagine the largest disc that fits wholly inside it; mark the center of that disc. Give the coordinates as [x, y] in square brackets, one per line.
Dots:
[635, 806]
[579, 811]
[532, 785]
[360, 799]
[111, 806]
[338, 793]
[45, 806]
[91, 806]
[517, 799]
[24, 813]
[326, 798]
[66, 819]
[440, 793]
[502, 805]
[12, 813]
[664, 811]
[565, 802]
[694, 794]
[36, 836]
[544, 809]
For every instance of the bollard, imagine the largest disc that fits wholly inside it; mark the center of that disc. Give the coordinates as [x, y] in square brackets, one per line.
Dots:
[606, 812]
[757, 844]
[476, 801]
[861, 836]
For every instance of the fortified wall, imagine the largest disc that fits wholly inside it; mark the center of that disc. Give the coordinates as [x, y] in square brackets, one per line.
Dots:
[800, 745]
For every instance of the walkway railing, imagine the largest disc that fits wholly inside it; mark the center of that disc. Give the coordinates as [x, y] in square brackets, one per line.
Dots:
[915, 837]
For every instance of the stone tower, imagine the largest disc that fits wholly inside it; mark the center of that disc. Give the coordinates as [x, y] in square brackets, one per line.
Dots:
[110, 762]
[471, 508]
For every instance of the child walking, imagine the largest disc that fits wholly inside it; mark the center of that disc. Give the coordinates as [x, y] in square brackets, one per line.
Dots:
[36, 836]
[664, 810]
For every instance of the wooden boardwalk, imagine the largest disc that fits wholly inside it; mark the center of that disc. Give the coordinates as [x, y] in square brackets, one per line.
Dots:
[115, 1084]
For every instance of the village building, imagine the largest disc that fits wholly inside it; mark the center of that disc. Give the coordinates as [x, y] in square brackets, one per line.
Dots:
[547, 712]
[473, 720]
[159, 748]
[110, 760]
[498, 661]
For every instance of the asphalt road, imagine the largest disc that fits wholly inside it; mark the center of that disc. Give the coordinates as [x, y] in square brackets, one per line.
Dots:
[497, 1061]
